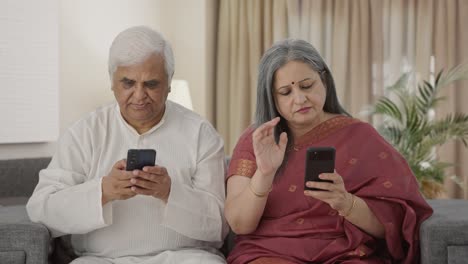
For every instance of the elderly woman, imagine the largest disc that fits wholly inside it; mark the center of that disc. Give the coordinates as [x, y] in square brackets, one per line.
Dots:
[370, 211]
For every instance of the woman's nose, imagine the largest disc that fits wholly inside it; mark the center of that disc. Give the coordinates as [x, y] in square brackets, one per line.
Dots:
[299, 98]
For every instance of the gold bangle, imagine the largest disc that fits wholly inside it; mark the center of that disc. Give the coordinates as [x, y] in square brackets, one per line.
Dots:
[352, 207]
[257, 193]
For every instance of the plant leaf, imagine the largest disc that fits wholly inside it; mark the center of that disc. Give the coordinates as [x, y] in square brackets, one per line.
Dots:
[409, 128]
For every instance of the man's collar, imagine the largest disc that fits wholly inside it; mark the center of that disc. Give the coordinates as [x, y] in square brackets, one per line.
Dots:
[131, 128]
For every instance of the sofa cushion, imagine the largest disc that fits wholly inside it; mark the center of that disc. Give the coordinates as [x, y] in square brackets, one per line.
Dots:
[9, 201]
[13, 214]
[20, 176]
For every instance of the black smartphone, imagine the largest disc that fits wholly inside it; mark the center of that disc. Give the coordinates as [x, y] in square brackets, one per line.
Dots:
[318, 160]
[139, 158]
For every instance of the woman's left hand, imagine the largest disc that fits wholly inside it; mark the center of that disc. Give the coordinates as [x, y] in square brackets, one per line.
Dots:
[335, 193]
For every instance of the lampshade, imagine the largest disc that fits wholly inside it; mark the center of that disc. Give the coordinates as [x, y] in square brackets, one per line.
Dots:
[180, 93]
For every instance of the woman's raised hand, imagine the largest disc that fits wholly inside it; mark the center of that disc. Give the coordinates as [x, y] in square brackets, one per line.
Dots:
[269, 155]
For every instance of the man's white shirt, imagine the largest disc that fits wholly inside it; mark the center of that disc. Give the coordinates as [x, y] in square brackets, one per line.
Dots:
[67, 198]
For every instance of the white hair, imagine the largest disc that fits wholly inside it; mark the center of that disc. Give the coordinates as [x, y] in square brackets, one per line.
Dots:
[134, 45]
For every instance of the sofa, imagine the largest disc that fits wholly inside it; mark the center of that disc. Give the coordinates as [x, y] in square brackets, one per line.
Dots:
[444, 236]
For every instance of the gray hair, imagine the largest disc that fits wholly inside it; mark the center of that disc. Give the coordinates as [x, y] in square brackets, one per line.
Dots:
[134, 45]
[276, 57]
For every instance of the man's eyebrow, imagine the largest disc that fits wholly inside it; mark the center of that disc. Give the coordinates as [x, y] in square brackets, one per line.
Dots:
[152, 81]
[125, 79]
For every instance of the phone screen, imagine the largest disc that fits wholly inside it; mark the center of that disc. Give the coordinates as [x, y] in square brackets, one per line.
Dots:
[139, 158]
[319, 160]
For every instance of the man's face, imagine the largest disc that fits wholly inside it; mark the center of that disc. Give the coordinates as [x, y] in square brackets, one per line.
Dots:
[141, 91]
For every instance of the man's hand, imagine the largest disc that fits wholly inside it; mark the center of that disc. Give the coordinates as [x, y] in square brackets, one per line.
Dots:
[116, 185]
[152, 180]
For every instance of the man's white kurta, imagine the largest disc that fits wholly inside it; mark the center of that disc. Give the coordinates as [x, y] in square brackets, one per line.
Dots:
[67, 198]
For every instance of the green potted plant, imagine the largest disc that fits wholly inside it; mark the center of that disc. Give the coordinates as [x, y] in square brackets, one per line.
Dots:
[407, 114]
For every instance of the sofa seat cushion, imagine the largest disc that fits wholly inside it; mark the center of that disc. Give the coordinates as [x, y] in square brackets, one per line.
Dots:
[13, 214]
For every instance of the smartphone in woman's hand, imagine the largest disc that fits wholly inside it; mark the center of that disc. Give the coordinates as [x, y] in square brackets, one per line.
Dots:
[318, 160]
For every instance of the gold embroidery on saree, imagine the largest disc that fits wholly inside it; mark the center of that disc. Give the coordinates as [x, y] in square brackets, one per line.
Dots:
[245, 167]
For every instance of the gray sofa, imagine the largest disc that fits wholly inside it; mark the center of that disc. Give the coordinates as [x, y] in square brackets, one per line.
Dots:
[444, 236]
[21, 241]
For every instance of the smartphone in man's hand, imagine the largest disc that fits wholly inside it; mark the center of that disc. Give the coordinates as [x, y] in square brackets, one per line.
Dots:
[139, 158]
[318, 160]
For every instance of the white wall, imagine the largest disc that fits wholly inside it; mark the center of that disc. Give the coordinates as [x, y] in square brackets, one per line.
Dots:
[87, 28]
[190, 26]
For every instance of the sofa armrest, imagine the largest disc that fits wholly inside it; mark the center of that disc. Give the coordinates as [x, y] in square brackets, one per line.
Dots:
[22, 241]
[444, 236]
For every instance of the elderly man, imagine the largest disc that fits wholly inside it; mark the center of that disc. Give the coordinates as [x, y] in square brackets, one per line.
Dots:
[167, 213]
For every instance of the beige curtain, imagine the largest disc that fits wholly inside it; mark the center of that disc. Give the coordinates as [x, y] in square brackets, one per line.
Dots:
[449, 41]
[366, 43]
[341, 31]
[246, 29]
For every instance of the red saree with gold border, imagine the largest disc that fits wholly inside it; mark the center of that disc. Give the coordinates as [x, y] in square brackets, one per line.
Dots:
[301, 229]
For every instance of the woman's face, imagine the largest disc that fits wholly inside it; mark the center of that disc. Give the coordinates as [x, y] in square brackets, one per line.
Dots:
[299, 95]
